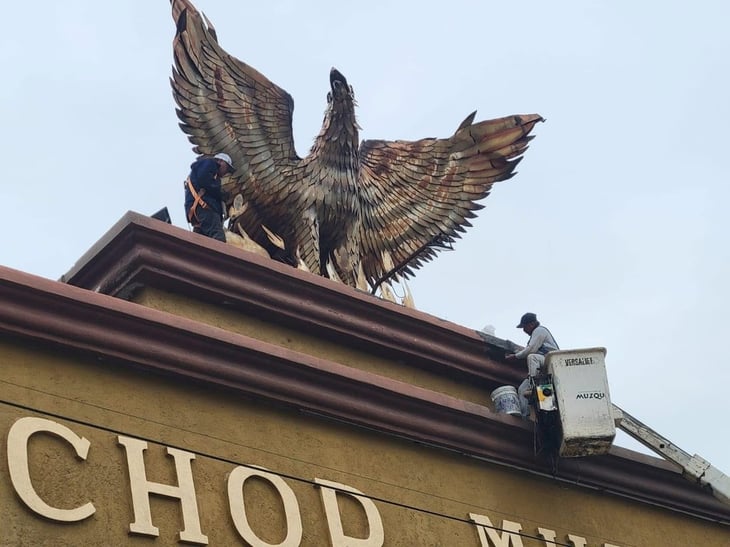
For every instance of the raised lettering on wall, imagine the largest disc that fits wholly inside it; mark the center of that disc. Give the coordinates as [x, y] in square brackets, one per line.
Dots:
[329, 491]
[236, 480]
[142, 488]
[510, 536]
[18, 437]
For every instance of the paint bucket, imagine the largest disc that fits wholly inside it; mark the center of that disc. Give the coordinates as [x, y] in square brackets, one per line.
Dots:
[506, 401]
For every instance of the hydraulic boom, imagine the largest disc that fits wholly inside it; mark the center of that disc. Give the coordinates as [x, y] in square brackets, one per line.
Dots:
[694, 468]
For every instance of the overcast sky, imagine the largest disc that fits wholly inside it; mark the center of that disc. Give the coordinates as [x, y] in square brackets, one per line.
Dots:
[614, 231]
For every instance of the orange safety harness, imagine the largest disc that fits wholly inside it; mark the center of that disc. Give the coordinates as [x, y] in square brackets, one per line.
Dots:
[198, 200]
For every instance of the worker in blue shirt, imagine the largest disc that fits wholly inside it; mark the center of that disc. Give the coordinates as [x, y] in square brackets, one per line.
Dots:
[203, 196]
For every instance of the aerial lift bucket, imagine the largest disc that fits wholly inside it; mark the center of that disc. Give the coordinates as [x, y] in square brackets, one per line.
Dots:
[583, 402]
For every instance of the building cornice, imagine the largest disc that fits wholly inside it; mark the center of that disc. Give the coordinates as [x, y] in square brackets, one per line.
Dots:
[140, 251]
[126, 333]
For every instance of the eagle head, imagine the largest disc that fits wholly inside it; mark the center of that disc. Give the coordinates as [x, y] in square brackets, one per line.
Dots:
[339, 89]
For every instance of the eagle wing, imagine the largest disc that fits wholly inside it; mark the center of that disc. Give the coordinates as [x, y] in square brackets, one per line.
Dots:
[417, 195]
[227, 106]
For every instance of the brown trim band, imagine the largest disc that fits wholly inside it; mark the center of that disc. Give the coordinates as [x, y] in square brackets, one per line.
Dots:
[47, 311]
[139, 250]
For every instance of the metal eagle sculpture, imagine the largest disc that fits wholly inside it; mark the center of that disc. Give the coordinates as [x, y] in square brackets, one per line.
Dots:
[360, 212]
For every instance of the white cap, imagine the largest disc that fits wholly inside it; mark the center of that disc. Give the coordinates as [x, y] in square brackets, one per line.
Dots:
[225, 157]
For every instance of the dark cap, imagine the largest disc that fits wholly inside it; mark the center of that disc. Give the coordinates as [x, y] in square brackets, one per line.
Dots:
[527, 319]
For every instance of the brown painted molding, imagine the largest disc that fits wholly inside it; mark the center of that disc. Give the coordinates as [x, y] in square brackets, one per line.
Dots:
[44, 311]
[126, 333]
[141, 251]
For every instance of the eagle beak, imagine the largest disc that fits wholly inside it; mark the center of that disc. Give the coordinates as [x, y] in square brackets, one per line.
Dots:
[337, 80]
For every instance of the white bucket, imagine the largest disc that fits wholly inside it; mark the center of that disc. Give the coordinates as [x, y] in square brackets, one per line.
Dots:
[506, 401]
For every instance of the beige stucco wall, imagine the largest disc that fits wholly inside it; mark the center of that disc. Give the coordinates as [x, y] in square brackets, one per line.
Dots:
[101, 400]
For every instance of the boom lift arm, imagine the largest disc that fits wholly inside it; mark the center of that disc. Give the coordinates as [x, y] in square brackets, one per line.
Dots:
[694, 468]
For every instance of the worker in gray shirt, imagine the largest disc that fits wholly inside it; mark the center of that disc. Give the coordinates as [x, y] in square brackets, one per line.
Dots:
[541, 342]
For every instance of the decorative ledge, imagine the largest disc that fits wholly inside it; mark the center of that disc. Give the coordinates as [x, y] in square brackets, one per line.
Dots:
[140, 251]
[129, 334]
